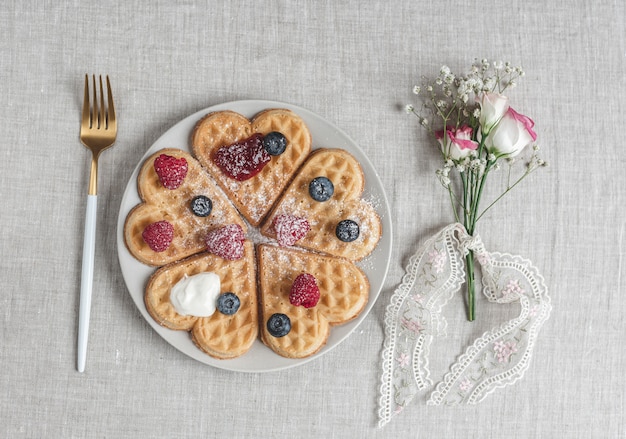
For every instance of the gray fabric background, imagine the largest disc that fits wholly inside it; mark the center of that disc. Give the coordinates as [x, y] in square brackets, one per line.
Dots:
[353, 63]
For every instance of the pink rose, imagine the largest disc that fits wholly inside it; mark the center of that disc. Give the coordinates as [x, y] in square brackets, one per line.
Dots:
[511, 135]
[493, 107]
[459, 144]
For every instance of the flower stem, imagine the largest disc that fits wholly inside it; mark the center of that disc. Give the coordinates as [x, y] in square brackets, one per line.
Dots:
[469, 193]
[472, 205]
[465, 199]
[478, 195]
[471, 300]
[454, 206]
[508, 189]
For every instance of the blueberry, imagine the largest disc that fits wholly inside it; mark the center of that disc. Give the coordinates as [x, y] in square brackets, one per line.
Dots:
[278, 325]
[347, 230]
[321, 189]
[201, 206]
[274, 143]
[228, 303]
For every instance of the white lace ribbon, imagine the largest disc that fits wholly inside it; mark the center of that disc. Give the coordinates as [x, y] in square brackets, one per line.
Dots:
[413, 319]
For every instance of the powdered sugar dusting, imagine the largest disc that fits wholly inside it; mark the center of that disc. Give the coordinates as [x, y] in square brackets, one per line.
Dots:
[254, 235]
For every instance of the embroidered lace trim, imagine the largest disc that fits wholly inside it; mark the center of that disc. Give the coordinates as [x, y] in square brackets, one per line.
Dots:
[413, 320]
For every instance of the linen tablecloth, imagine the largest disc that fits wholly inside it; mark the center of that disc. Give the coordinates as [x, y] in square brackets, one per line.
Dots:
[354, 64]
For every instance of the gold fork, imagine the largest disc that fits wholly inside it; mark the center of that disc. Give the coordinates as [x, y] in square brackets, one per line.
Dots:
[98, 130]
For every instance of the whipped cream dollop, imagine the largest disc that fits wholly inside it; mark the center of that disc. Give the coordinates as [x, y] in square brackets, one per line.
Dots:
[196, 295]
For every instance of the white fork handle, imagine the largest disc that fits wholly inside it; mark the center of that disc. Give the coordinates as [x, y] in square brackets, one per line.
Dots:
[86, 280]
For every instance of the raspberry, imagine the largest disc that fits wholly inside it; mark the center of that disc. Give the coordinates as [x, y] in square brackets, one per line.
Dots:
[304, 291]
[289, 229]
[226, 242]
[171, 171]
[243, 160]
[158, 235]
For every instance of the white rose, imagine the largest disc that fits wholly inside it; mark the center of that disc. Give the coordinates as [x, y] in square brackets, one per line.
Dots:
[493, 107]
[511, 135]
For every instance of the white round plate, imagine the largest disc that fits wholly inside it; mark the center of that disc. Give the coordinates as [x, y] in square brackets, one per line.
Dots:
[259, 358]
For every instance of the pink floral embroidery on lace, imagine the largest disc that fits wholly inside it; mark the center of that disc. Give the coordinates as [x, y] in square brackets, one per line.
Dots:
[438, 259]
[413, 325]
[513, 287]
[504, 350]
[465, 385]
[403, 359]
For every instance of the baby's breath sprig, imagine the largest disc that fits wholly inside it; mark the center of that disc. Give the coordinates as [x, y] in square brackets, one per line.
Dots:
[476, 129]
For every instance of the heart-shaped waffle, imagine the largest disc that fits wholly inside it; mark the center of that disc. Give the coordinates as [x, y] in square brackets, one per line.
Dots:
[219, 335]
[323, 217]
[173, 205]
[343, 293]
[256, 195]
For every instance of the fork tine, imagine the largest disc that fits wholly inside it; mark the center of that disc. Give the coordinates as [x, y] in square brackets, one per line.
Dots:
[86, 108]
[111, 108]
[95, 113]
[102, 119]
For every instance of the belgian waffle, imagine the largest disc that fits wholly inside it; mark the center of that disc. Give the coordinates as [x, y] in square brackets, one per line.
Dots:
[219, 335]
[253, 197]
[346, 174]
[159, 203]
[344, 291]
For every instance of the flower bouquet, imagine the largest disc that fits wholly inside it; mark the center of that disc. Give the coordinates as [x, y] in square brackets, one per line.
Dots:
[476, 130]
